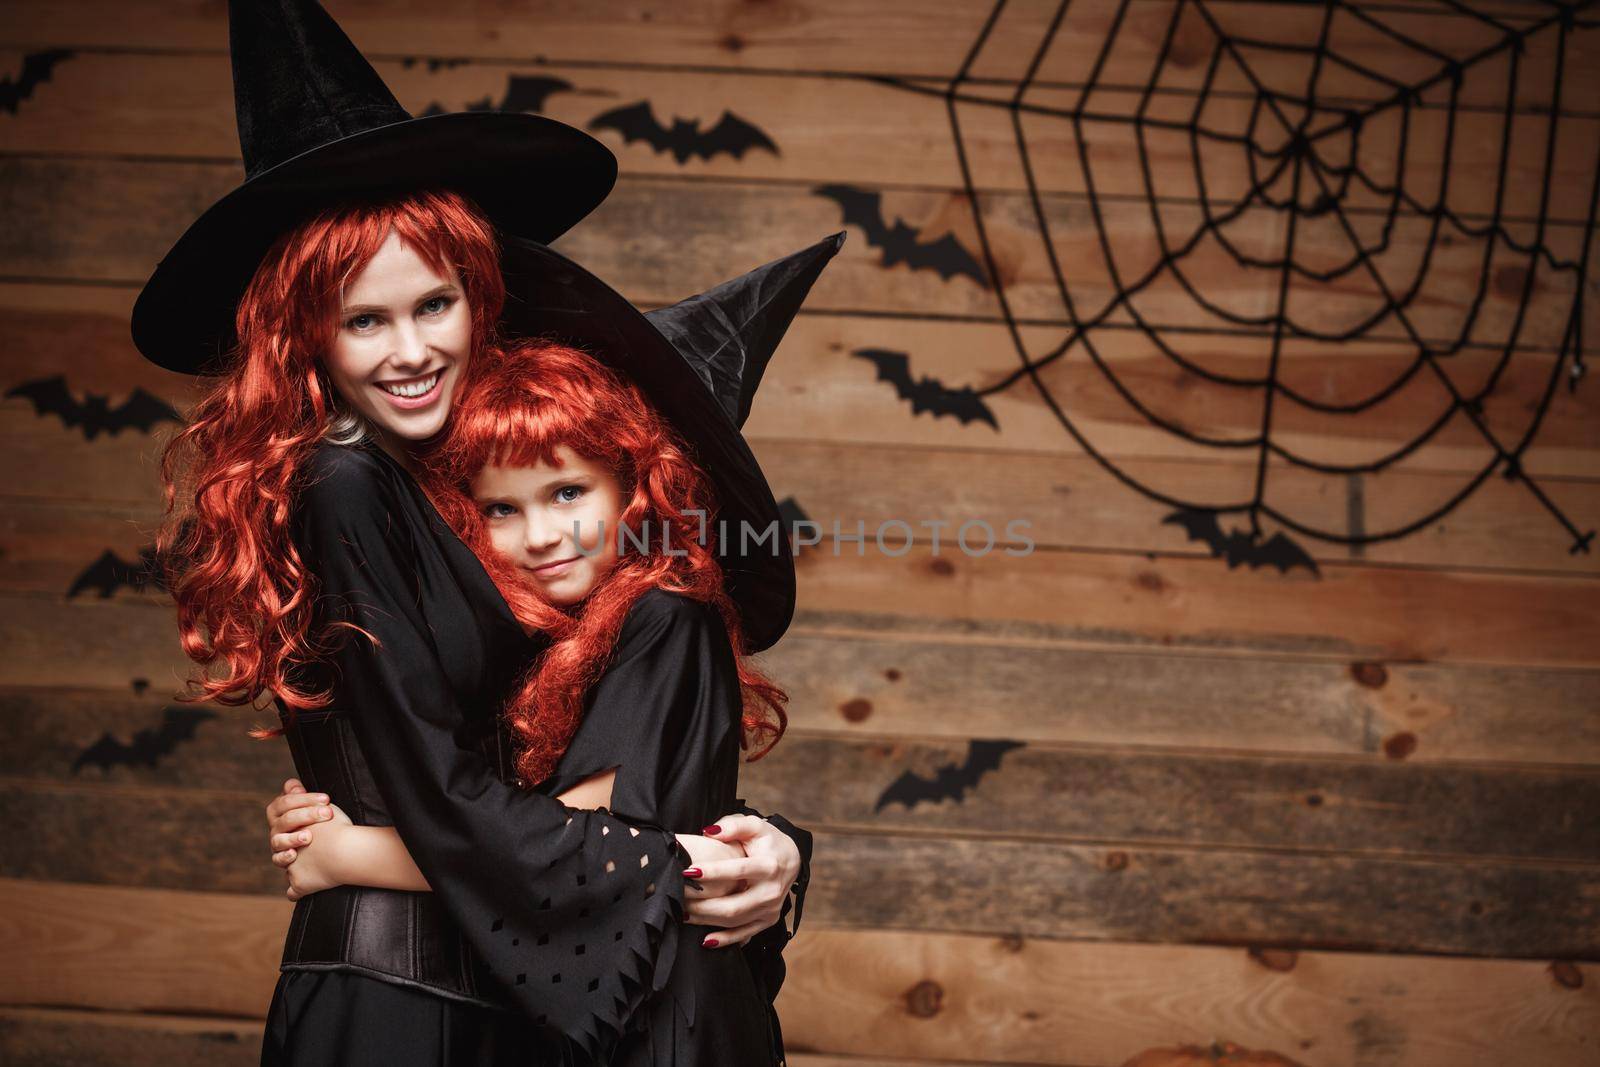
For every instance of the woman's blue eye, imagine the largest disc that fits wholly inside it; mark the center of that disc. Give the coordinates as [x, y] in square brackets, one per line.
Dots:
[489, 510]
[355, 320]
[568, 499]
[442, 301]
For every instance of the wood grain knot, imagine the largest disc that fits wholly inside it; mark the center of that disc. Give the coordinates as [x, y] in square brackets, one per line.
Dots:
[924, 999]
[1400, 745]
[1116, 861]
[893, 674]
[1275, 959]
[1566, 973]
[942, 567]
[856, 710]
[1370, 675]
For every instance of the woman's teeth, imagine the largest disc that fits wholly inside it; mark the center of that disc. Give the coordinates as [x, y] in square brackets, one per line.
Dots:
[414, 388]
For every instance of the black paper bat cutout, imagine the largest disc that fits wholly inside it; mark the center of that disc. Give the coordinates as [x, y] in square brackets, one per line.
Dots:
[901, 243]
[148, 746]
[731, 134]
[36, 68]
[524, 92]
[951, 781]
[1239, 546]
[111, 572]
[93, 416]
[927, 394]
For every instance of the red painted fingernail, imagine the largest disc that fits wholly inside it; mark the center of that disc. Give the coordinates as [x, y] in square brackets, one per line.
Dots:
[692, 872]
[709, 942]
[712, 831]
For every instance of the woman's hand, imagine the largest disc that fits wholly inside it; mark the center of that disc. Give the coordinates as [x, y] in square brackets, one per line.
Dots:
[746, 894]
[290, 818]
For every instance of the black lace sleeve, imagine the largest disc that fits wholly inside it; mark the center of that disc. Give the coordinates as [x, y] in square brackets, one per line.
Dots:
[574, 913]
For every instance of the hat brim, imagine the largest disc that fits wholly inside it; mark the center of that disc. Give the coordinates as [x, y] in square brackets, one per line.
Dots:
[533, 177]
[549, 295]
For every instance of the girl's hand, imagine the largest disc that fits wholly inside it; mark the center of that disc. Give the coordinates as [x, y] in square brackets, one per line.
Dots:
[743, 894]
[290, 817]
[315, 867]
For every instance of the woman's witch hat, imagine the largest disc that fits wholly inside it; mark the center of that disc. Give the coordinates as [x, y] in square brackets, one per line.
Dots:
[316, 122]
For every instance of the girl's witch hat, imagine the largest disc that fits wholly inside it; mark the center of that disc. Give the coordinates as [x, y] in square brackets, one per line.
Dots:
[699, 362]
[317, 123]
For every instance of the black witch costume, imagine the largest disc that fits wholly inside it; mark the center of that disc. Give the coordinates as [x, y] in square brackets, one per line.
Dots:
[551, 932]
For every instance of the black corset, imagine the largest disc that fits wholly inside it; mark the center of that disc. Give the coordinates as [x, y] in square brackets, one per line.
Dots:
[395, 936]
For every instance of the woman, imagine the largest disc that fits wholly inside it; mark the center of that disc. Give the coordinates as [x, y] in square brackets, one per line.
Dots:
[386, 645]
[639, 705]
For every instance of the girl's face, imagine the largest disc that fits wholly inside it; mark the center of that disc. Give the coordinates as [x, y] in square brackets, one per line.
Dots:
[559, 523]
[404, 337]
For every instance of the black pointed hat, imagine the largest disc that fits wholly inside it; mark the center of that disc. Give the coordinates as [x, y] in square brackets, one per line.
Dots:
[699, 362]
[316, 123]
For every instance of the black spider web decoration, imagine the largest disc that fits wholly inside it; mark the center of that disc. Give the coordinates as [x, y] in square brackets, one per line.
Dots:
[1308, 155]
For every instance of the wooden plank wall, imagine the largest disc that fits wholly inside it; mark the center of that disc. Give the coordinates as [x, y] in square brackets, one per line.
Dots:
[1346, 818]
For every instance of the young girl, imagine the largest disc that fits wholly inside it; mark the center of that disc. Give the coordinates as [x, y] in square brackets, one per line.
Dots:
[580, 500]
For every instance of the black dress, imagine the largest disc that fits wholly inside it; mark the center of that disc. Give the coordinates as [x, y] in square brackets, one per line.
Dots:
[665, 714]
[552, 935]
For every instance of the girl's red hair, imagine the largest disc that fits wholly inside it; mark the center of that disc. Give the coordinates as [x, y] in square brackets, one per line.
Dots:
[517, 406]
[244, 597]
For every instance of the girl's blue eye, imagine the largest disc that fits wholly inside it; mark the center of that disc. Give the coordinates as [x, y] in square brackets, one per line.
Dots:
[568, 499]
[353, 323]
[489, 510]
[443, 302]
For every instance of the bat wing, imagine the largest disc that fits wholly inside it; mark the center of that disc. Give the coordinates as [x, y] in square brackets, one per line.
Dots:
[1283, 553]
[180, 724]
[946, 255]
[984, 756]
[140, 411]
[103, 576]
[892, 367]
[37, 68]
[734, 136]
[104, 753]
[529, 92]
[50, 396]
[861, 208]
[908, 789]
[956, 780]
[1200, 526]
[963, 403]
[636, 122]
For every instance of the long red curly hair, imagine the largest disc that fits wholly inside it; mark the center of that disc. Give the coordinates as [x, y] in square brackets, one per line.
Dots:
[517, 407]
[229, 477]
[245, 600]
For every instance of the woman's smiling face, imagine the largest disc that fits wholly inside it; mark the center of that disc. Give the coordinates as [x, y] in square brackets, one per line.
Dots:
[559, 523]
[403, 341]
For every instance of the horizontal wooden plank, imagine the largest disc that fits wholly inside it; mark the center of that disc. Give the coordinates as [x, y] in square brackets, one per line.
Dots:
[1067, 501]
[894, 678]
[1348, 614]
[45, 1037]
[818, 401]
[1298, 894]
[112, 220]
[53, 1037]
[901, 37]
[1208, 798]
[887, 993]
[831, 130]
